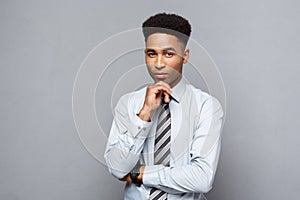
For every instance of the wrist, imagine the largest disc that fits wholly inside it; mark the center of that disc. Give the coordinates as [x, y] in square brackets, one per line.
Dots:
[135, 175]
[145, 114]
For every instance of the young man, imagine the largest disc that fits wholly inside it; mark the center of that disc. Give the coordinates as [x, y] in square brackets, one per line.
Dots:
[158, 139]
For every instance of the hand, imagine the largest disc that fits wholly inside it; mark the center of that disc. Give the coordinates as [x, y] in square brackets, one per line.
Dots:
[153, 99]
[126, 178]
[140, 177]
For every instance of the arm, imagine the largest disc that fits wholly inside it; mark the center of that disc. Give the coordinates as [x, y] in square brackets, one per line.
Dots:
[126, 140]
[198, 174]
[127, 136]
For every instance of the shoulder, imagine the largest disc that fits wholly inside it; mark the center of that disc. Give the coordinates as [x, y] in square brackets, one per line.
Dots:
[132, 99]
[198, 93]
[203, 99]
[133, 96]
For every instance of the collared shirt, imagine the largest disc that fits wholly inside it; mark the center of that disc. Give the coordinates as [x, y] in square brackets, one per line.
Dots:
[196, 121]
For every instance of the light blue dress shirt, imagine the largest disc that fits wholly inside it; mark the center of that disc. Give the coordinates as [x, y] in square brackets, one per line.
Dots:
[196, 121]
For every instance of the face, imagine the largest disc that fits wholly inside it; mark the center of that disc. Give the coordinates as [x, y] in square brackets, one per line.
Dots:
[165, 55]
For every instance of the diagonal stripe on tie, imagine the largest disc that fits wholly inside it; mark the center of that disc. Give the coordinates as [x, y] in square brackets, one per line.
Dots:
[164, 158]
[157, 195]
[162, 155]
[163, 127]
[161, 142]
[161, 135]
[163, 121]
[164, 146]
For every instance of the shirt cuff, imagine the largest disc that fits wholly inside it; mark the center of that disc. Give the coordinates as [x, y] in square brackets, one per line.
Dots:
[139, 128]
[152, 175]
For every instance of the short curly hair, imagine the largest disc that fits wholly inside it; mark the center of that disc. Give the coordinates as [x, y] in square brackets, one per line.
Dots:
[168, 23]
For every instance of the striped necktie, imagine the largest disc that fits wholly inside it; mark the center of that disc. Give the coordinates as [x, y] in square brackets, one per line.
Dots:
[162, 146]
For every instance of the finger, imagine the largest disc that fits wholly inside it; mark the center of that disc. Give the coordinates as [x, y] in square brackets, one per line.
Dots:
[161, 88]
[164, 88]
[164, 84]
[167, 98]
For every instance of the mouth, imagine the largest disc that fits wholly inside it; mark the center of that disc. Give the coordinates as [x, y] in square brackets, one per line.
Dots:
[161, 75]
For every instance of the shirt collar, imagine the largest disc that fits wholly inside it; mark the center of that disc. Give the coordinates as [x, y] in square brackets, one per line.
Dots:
[178, 90]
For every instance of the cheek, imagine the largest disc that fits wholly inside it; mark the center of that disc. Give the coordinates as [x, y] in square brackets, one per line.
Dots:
[149, 61]
[175, 63]
[150, 68]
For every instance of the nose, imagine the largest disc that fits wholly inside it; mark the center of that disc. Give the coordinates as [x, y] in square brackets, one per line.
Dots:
[159, 64]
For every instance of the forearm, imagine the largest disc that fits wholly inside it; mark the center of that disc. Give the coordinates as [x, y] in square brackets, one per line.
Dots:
[125, 143]
[197, 176]
[120, 162]
[178, 179]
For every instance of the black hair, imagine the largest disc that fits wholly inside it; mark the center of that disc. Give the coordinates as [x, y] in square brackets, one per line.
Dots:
[167, 23]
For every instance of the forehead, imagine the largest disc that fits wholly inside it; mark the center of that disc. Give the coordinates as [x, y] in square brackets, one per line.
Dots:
[163, 41]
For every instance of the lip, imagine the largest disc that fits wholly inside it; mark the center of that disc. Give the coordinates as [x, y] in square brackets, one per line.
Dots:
[161, 75]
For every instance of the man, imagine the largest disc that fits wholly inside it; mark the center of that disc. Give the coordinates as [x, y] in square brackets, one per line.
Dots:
[164, 140]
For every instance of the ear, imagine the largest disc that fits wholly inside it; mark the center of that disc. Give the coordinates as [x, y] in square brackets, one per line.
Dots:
[186, 56]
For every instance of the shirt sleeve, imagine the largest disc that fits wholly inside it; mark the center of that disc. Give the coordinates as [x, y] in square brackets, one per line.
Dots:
[198, 174]
[126, 140]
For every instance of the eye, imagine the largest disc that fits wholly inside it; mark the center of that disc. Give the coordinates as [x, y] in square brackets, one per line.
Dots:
[151, 54]
[169, 54]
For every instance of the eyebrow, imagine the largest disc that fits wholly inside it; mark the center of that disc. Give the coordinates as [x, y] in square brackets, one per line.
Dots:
[164, 49]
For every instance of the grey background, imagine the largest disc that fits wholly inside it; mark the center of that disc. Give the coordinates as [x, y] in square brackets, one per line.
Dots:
[43, 43]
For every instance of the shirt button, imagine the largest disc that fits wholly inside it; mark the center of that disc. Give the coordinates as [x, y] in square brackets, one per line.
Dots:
[139, 127]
